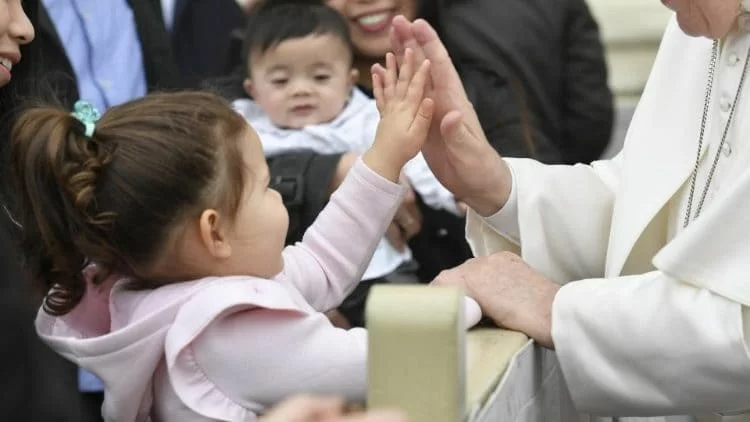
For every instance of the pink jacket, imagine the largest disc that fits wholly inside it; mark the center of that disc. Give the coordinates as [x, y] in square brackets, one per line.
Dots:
[226, 348]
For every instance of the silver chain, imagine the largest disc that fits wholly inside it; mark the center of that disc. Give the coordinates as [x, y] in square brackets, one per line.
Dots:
[704, 119]
[10, 217]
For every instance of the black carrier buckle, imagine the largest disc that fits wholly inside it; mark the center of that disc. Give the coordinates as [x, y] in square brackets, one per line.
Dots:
[290, 188]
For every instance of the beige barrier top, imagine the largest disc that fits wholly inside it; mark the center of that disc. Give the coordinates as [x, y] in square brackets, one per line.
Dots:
[422, 360]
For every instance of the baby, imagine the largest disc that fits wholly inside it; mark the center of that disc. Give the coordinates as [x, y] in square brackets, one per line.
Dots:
[300, 76]
[161, 247]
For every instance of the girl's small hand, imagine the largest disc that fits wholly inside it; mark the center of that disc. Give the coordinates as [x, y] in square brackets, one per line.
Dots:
[405, 115]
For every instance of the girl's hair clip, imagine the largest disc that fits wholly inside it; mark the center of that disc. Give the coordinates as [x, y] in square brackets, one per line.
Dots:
[87, 114]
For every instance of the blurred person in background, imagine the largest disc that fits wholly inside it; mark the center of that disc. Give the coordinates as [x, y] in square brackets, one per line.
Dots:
[204, 37]
[36, 384]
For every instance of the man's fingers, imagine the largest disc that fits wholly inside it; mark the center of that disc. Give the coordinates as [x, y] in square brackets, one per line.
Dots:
[428, 39]
[400, 31]
[442, 279]
[450, 126]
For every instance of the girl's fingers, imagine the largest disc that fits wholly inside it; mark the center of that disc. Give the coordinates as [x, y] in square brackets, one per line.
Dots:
[405, 73]
[417, 87]
[390, 76]
[377, 90]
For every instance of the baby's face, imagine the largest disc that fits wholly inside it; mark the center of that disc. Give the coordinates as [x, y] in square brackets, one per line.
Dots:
[302, 81]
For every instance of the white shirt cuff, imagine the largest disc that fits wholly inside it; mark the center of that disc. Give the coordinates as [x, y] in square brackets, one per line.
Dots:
[505, 221]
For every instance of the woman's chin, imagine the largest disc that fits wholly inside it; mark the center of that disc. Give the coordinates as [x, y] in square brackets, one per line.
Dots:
[373, 47]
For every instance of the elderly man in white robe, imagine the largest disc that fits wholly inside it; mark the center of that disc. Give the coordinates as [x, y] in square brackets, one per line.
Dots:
[636, 270]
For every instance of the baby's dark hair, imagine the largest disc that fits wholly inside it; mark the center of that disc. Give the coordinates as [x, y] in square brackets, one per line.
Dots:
[115, 198]
[272, 22]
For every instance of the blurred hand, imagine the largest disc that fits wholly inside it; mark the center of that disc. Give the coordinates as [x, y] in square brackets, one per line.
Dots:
[338, 319]
[246, 5]
[407, 222]
[324, 409]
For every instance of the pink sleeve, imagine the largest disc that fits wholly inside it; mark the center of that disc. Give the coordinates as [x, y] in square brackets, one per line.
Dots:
[259, 357]
[337, 247]
[242, 344]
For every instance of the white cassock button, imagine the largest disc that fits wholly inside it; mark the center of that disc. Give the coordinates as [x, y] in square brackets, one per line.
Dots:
[725, 104]
[726, 149]
[733, 59]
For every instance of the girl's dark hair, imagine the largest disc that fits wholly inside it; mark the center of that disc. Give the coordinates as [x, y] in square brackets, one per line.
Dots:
[114, 198]
[271, 22]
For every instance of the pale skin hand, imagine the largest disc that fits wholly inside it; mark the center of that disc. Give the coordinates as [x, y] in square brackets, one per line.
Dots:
[509, 291]
[325, 409]
[456, 149]
[405, 115]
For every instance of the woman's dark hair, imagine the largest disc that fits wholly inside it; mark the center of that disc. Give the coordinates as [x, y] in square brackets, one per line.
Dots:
[271, 22]
[114, 198]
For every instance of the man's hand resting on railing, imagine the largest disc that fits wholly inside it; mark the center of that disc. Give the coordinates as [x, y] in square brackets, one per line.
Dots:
[509, 292]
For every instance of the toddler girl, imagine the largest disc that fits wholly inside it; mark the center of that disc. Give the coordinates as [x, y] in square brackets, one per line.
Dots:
[161, 247]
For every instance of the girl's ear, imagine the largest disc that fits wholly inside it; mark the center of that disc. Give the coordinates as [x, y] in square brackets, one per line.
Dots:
[213, 234]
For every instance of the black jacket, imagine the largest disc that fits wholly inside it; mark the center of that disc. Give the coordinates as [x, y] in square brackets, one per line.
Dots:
[36, 384]
[203, 38]
[532, 66]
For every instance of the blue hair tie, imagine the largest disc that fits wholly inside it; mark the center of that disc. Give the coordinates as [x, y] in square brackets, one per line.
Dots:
[87, 114]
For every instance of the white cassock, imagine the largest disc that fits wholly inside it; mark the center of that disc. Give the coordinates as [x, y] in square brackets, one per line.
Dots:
[656, 322]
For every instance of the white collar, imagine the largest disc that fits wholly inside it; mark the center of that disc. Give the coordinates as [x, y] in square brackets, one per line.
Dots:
[743, 18]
